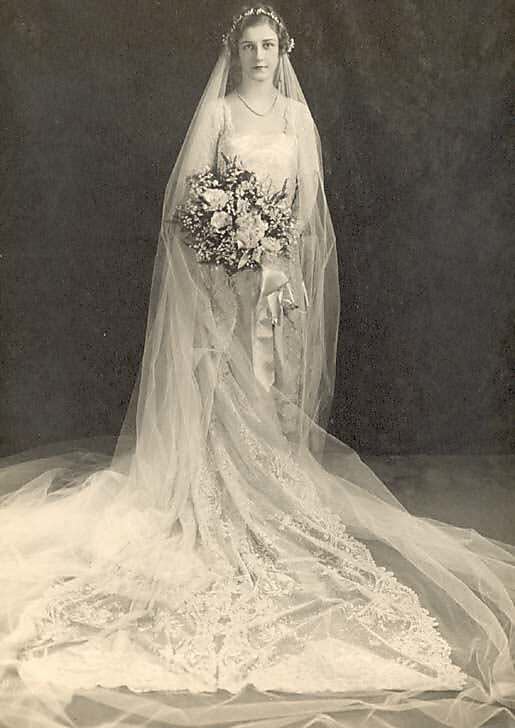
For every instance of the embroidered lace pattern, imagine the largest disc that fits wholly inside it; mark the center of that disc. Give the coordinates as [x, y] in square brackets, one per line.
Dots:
[259, 587]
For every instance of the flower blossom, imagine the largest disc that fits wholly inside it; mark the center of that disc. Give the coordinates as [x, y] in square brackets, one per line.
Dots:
[216, 199]
[219, 220]
[250, 230]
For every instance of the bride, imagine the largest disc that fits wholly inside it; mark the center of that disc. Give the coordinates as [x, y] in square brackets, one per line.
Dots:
[231, 544]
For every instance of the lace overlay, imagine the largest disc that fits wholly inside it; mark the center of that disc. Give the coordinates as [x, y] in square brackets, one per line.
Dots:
[261, 586]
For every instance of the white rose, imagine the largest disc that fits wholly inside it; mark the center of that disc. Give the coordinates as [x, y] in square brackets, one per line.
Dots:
[250, 230]
[219, 220]
[216, 199]
[272, 245]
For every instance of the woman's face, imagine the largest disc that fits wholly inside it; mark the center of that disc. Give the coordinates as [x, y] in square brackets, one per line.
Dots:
[258, 51]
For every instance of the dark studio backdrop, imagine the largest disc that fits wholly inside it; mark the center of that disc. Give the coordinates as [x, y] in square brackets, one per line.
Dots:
[411, 101]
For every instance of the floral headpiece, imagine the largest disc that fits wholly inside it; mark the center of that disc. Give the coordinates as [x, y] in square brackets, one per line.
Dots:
[256, 11]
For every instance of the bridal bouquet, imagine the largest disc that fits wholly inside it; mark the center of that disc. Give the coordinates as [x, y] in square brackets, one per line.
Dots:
[232, 219]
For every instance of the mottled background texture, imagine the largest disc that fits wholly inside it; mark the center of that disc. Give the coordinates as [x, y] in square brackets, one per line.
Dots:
[411, 100]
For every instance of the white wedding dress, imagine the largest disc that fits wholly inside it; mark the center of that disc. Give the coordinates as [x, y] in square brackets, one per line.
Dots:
[261, 583]
[269, 576]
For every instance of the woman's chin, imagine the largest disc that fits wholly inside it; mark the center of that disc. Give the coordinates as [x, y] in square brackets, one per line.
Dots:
[260, 74]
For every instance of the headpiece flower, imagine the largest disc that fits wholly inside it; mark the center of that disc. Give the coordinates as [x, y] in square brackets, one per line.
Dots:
[256, 11]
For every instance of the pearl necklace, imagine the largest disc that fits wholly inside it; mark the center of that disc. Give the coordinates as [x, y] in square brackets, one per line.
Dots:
[258, 113]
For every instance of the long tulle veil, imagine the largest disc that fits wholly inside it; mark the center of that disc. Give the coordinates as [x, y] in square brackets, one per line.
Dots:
[81, 516]
[171, 405]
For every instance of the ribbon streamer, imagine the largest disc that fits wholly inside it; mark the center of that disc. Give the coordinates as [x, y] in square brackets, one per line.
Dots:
[267, 340]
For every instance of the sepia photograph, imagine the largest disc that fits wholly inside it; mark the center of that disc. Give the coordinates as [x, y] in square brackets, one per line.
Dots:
[257, 413]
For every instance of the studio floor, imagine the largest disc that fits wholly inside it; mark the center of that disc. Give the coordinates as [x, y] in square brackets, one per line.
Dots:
[473, 491]
[469, 491]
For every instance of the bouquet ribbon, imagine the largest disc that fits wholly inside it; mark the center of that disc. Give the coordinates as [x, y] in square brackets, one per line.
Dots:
[267, 336]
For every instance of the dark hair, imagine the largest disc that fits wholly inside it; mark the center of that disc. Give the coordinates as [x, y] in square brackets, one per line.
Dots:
[250, 20]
